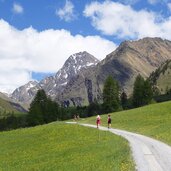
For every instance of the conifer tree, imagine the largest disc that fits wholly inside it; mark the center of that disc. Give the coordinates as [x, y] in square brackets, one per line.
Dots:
[142, 92]
[138, 91]
[38, 108]
[124, 100]
[148, 93]
[111, 95]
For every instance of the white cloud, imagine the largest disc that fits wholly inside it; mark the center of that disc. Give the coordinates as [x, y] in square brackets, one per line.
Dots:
[17, 8]
[24, 51]
[123, 21]
[67, 12]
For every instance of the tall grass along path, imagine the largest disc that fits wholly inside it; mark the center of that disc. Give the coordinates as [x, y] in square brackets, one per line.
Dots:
[149, 154]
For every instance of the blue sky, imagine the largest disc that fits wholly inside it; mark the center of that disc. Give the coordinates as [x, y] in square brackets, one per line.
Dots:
[40, 14]
[37, 36]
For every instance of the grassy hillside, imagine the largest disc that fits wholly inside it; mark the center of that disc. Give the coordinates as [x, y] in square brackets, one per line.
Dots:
[152, 120]
[4, 96]
[63, 147]
[7, 106]
[161, 78]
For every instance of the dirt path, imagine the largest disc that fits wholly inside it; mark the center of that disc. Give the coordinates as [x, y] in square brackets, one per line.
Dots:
[149, 154]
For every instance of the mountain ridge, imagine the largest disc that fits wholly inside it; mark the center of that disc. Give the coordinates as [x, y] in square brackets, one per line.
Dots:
[52, 85]
[124, 64]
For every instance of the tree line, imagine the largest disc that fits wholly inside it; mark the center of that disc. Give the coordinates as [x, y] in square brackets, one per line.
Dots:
[43, 110]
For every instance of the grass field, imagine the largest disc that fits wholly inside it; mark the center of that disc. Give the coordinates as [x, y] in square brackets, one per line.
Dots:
[152, 120]
[63, 147]
[59, 146]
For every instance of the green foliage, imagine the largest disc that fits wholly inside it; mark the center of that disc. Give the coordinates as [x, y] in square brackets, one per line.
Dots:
[138, 91]
[142, 92]
[82, 111]
[52, 111]
[154, 76]
[156, 91]
[148, 93]
[63, 147]
[162, 98]
[68, 112]
[93, 109]
[12, 121]
[124, 100]
[111, 95]
[43, 110]
[160, 79]
[168, 91]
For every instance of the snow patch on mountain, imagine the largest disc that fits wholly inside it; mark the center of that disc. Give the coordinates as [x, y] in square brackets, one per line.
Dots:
[57, 83]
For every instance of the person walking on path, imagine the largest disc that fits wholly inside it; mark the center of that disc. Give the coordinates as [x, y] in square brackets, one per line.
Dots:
[109, 120]
[98, 121]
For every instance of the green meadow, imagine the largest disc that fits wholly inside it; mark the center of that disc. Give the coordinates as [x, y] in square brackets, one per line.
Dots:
[63, 147]
[60, 146]
[153, 120]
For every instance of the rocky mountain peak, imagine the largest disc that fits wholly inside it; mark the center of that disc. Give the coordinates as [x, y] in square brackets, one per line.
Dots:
[55, 84]
[25, 92]
[73, 65]
[27, 86]
[31, 84]
[81, 59]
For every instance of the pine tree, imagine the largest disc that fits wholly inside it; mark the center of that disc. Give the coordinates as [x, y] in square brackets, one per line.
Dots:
[52, 112]
[38, 108]
[124, 100]
[142, 93]
[93, 109]
[43, 110]
[148, 93]
[111, 95]
[138, 91]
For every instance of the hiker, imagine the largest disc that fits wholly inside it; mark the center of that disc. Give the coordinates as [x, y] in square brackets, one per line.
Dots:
[109, 120]
[98, 121]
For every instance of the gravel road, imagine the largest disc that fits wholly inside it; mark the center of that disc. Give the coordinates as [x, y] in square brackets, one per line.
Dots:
[149, 154]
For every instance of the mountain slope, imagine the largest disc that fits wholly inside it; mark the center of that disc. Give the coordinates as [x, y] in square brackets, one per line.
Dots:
[78, 83]
[134, 57]
[72, 67]
[124, 64]
[4, 96]
[161, 78]
[9, 106]
[53, 85]
[24, 94]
